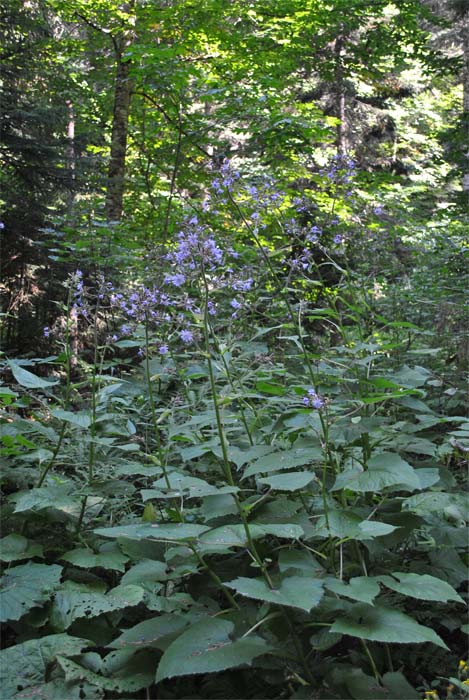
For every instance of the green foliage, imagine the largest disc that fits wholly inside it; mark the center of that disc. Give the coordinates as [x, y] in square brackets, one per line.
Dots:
[239, 469]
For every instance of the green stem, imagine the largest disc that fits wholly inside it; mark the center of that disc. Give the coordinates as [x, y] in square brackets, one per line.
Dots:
[51, 462]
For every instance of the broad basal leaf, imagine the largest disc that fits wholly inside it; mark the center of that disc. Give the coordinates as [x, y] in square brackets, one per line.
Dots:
[167, 532]
[288, 459]
[421, 586]
[16, 547]
[25, 664]
[151, 632]
[69, 605]
[207, 648]
[362, 588]
[87, 559]
[28, 379]
[25, 586]
[57, 496]
[81, 419]
[148, 570]
[383, 624]
[301, 560]
[294, 591]
[133, 673]
[292, 481]
[384, 471]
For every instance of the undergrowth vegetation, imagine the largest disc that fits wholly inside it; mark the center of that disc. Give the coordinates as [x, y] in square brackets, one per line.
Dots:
[242, 473]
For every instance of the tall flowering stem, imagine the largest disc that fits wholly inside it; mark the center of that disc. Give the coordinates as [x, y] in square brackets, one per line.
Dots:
[224, 447]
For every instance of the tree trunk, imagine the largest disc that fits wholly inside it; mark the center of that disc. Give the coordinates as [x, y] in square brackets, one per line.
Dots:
[120, 121]
[340, 88]
[465, 105]
[71, 157]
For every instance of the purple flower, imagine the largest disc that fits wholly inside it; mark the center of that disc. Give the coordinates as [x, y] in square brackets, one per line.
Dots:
[163, 349]
[313, 400]
[186, 336]
[235, 304]
[126, 330]
[46, 332]
[177, 280]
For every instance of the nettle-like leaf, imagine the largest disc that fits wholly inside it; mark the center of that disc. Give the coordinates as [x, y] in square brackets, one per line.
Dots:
[151, 633]
[29, 380]
[69, 605]
[148, 570]
[58, 689]
[16, 547]
[24, 665]
[293, 592]
[25, 586]
[348, 524]
[87, 559]
[124, 672]
[288, 459]
[80, 419]
[384, 470]
[421, 586]
[292, 481]
[207, 647]
[57, 496]
[301, 561]
[383, 624]
[437, 502]
[165, 532]
[235, 535]
[362, 588]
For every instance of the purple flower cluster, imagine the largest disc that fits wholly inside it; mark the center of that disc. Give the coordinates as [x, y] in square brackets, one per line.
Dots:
[313, 400]
[341, 169]
[195, 247]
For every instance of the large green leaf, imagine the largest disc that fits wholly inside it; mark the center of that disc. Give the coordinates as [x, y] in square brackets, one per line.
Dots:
[382, 624]
[151, 632]
[301, 560]
[87, 559]
[148, 570]
[69, 605]
[294, 591]
[58, 689]
[362, 588]
[384, 471]
[288, 459]
[81, 419]
[24, 665]
[166, 532]
[127, 672]
[207, 648]
[235, 535]
[28, 379]
[56, 496]
[292, 481]
[25, 586]
[437, 502]
[421, 586]
[15, 547]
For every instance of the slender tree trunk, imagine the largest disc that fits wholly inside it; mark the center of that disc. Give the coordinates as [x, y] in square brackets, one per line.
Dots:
[120, 122]
[71, 156]
[340, 88]
[465, 105]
